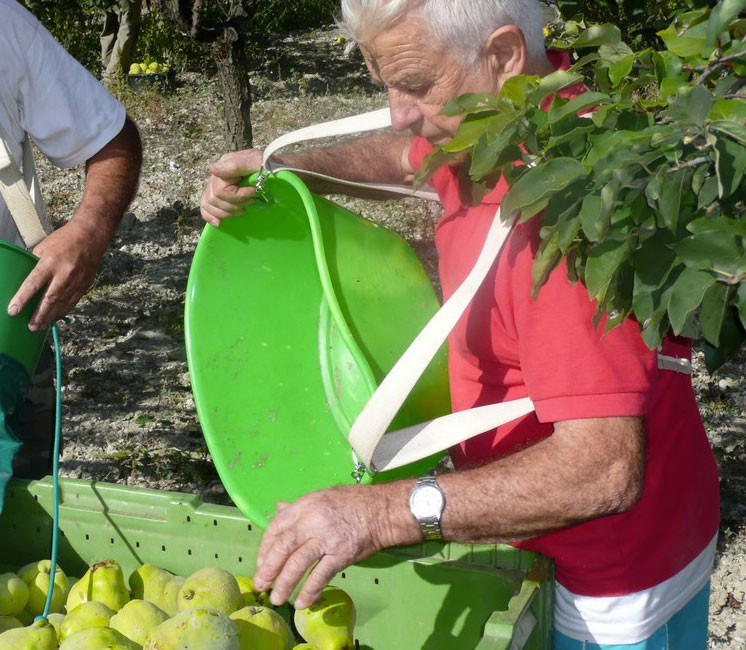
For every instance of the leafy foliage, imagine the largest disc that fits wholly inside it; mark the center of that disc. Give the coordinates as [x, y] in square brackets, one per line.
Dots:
[638, 181]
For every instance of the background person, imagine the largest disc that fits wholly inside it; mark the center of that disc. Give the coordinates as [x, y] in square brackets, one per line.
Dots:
[612, 476]
[122, 21]
[47, 95]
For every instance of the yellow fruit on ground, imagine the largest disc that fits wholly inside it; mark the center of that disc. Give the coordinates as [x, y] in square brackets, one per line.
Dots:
[13, 594]
[211, 588]
[329, 622]
[135, 68]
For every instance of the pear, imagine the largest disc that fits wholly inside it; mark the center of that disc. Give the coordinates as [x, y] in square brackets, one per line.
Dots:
[13, 594]
[248, 593]
[329, 622]
[9, 623]
[36, 576]
[261, 628]
[211, 588]
[136, 619]
[194, 629]
[157, 586]
[37, 636]
[55, 619]
[97, 638]
[88, 614]
[103, 582]
[303, 646]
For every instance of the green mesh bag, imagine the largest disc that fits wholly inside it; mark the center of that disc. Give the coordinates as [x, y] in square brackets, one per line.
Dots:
[14, 382]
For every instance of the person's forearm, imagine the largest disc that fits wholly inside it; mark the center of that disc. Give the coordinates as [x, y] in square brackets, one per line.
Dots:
[558, 482]
[110, 184]
[370, 159]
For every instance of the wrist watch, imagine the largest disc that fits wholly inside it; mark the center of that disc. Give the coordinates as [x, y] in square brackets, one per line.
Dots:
[427, 503]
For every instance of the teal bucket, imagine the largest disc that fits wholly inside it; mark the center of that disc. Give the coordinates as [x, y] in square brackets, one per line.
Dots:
[16, 340]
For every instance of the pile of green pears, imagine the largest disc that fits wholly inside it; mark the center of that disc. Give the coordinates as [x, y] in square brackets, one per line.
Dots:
[209, 610]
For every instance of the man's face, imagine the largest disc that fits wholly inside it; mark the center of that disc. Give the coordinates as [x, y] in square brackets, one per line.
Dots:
[421, 80]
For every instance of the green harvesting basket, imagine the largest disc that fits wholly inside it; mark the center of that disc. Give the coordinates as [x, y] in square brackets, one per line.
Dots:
[432, 596]
[295, 311]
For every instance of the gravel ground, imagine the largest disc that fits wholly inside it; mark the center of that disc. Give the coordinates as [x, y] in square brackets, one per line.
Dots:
[129, 413]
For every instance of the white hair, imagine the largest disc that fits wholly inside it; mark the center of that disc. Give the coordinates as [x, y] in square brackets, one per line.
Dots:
[459, 26]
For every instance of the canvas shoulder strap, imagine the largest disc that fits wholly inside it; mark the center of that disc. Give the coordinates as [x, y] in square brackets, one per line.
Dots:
[31, 222]
[373, 446]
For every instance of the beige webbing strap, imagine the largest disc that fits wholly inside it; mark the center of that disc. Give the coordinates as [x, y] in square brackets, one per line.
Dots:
[16, 195]
[375, 448]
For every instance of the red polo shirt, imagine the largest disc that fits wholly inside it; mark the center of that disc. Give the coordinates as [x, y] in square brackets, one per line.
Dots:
[507, 346]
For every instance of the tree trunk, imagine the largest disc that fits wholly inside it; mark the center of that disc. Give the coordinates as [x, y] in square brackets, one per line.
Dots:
[230, 56]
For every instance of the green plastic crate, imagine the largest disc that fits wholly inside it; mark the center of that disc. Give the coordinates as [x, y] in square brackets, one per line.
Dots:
[433, 596]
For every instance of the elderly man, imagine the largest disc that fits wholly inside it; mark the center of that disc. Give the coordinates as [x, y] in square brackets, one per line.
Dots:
[612, 476]
[45, 94]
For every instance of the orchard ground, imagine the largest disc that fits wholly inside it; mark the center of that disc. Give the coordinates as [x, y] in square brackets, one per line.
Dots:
[129, 416]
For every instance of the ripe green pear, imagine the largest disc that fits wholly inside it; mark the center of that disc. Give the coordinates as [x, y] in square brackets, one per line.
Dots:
[9, 623]
[328, 624]
[91, 613]
[13, 594]
[211, 588]
[55, 619]
[98, 638]
[103, 582]
[261, 628]
[36, 576]
[157, 586]
[37, 636]
[136, 619]
[194, 629]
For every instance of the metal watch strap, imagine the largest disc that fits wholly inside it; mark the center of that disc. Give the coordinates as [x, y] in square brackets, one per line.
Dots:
[430, 526]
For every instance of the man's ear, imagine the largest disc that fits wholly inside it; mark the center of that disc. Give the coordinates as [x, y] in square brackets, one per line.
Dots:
[506, 53]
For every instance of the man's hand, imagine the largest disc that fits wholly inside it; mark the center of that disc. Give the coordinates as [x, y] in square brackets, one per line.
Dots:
[330, 529]
[68, 260]
[222, 197]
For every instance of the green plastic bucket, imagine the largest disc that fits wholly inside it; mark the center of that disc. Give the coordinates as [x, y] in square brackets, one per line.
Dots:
[16, 340]
[295, 310]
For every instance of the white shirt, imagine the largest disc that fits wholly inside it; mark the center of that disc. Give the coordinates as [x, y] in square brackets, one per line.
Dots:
[46, 93]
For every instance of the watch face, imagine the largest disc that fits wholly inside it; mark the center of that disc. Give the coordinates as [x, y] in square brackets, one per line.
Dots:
[427, 501]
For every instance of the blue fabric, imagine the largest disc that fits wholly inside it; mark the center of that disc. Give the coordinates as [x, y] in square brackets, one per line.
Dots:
[14, 382]
[685, 630]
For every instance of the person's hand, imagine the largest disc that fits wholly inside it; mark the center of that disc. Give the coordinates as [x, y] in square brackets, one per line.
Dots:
[330, 529]
[222, 197]
[68, 261]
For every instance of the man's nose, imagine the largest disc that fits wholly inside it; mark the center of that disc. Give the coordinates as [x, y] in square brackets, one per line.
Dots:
[404, 110]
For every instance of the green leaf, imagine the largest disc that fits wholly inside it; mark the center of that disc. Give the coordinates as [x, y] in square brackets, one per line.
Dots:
[594, 218]
[714, 305]
[531, 193]
[730, 109]
[686, 296]
[721, 16]
[691, 43]
[552, 83]
[669, 203]
[732, 129]
[546, 261]
[708, 193]
[653, 262]
[691, 105]
[730, 162]
[468, 103]
[732, 337]
[721, 251]
[741, 302]
[561, 109]
[598, 35]
[470, 130]
[603, 261]
[619, 70]
[717, 224]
